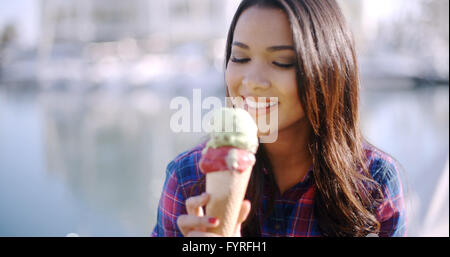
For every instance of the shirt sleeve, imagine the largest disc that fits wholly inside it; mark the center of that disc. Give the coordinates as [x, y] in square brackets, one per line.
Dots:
[391, 212]
[171, 205]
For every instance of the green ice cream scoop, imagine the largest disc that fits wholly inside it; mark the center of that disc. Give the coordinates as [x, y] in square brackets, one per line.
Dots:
[233, 127]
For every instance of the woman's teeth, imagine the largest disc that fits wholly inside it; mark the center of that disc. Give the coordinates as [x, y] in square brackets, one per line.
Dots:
[259, 105]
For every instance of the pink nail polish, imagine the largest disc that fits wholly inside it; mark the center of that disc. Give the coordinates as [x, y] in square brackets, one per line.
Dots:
[212, 220]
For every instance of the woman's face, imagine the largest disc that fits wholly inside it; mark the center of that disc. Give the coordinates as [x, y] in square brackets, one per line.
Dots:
[262, 64]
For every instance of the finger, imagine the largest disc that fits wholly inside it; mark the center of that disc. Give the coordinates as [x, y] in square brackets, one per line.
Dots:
[243, 214]
[245, 210]
[194, 204]
[187, 223]
[195, 233]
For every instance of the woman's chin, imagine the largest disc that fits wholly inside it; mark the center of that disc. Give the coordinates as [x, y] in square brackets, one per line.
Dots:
[269, 136]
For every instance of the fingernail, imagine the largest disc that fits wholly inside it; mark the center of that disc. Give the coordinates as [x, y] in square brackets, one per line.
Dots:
[212, 220]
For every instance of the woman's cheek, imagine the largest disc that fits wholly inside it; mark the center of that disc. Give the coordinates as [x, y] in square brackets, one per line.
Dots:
[287, 83]
[231, 79]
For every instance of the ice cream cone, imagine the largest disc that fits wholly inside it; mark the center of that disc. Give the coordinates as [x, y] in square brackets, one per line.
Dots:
[227, 191]
[227, 161]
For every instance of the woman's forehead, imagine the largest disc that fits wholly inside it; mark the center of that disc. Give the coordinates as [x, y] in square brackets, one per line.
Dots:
[263, 27]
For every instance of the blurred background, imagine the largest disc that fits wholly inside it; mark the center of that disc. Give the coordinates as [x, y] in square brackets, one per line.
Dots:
[85, 88]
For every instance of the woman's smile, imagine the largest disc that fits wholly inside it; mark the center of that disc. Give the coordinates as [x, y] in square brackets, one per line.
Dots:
[260, 105]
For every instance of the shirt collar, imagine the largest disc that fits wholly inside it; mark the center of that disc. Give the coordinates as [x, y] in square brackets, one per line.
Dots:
[307, 180]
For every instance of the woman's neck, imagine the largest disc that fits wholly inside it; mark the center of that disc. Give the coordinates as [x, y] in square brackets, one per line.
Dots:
[289, 155]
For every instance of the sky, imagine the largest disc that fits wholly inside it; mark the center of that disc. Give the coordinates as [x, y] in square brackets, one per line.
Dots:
[23, 13]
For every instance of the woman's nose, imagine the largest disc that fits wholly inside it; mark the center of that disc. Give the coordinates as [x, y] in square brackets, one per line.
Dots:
[255, 82]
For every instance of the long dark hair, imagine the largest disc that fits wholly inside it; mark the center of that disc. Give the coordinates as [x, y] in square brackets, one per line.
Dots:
[328, 88]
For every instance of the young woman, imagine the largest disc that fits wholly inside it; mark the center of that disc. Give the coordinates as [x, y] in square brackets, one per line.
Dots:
[320, 178]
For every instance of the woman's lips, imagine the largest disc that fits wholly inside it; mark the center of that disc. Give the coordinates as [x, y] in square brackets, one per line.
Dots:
[268, 103]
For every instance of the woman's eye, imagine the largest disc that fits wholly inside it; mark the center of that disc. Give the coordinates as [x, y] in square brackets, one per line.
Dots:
[284, 65]
[279, 64]
[240, 60]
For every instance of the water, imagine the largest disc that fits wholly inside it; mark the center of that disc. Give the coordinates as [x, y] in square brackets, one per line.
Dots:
[93, 163]
[413, 126]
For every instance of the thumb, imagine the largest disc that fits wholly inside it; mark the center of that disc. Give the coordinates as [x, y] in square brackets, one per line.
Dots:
[245, 210]
[243, 214]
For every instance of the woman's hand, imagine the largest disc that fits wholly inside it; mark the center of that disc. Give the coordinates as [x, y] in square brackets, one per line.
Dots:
[195, 224]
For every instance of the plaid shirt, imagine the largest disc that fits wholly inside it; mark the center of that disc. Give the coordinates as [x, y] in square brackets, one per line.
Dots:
[293, 210]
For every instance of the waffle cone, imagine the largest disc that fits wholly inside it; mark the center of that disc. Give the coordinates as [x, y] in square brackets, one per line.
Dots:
[227, 191]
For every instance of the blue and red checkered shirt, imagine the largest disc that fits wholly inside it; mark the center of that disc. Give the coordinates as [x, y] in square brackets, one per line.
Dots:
[292, 214]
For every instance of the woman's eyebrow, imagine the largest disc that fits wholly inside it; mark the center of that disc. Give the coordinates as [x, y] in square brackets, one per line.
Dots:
[279, 48]
[241, 45]
[270, 49]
